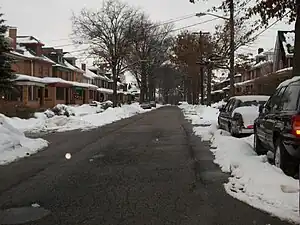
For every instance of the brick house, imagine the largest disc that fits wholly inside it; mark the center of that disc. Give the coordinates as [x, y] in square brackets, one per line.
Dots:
[262, 66]
[28, 64]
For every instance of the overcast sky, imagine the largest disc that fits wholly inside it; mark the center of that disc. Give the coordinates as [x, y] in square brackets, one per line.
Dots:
[50, 21]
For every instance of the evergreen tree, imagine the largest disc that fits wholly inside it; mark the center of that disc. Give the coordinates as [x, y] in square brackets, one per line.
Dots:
[6, 73]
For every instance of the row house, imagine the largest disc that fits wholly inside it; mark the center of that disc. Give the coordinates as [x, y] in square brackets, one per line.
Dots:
[271, 67]
[262, 65]
[44, 77]
[220, 89]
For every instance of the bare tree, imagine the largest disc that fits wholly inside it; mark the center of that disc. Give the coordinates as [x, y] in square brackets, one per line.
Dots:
[149, 45]
[244, 35]
[105, 30]
[170, 81]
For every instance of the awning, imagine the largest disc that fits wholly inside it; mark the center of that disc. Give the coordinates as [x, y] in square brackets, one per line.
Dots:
[26, 80]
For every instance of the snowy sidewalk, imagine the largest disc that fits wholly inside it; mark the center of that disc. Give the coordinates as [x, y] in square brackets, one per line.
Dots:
[253, 179]
[14, 144]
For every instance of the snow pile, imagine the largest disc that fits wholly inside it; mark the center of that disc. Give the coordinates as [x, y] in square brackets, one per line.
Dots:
[14, 144]
[85, 117]
[254, 180]
[219, 104]
[204, 118]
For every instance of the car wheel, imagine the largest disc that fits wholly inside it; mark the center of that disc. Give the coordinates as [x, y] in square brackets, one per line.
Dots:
[232, 130]
[258, 148]
[219, 123]
[283, 160]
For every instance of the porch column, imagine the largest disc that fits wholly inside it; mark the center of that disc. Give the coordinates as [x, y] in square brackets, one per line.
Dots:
[25, 95]
[86, 96]
[42, 100]
[54, 96]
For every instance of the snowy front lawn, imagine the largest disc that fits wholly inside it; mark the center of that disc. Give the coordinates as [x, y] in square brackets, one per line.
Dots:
[253, 179]
[14, 144]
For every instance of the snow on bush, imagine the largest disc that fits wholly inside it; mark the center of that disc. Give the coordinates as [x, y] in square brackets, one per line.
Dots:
[253, 179]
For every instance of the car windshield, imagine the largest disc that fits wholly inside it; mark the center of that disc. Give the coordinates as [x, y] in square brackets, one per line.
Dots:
[252, 103]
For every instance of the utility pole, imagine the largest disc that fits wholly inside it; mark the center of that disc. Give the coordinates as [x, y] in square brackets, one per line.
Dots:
[209, 76]
[232, 48]
[201, 70]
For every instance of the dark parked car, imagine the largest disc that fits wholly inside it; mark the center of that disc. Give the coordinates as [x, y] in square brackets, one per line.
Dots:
[146, 105]
[277, 129]
[238, 115]
[153, 103]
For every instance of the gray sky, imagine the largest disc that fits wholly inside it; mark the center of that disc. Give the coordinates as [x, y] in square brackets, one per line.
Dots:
[50, 20]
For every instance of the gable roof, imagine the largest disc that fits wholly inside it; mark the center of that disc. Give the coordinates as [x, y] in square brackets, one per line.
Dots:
[28, 40]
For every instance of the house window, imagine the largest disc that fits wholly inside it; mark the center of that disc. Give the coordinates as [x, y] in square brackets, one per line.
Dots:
[60, 93]
[15, 94]
[46, 93]
[91, 94]
[41, 71]
[32, 93]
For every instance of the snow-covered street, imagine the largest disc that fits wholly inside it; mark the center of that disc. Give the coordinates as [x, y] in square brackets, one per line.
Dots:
[253, 179]
[14, 144]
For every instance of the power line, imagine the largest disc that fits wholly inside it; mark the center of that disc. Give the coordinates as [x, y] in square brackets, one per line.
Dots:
[271, 25]
[176, 19]
[174, 30]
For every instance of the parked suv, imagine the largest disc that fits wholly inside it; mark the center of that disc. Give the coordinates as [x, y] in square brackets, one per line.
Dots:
[240, 112]
[277, 129]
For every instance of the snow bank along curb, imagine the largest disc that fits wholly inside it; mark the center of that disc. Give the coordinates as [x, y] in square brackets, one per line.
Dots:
[253, 179]
[14, 144]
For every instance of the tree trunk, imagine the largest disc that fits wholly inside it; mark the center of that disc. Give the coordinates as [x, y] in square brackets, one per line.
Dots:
[296, 64]
[189, 91]
[143, 83]
[115, 79]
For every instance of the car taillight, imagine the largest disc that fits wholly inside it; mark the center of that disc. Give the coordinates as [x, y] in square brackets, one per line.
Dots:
[296, 125]
[250, 127]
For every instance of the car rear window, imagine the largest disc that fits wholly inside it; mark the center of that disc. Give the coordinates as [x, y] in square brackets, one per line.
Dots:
[252, 103]
[289, 100]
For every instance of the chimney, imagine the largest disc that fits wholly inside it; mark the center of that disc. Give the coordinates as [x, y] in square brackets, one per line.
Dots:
[12, 33]
[260, 50]
[83, 66]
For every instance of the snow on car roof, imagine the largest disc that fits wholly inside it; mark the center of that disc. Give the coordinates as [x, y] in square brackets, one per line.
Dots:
[245, 98]
[287, 82]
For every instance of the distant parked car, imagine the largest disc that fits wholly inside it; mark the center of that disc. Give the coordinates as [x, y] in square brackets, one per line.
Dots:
[240, 112]
[146, 105]
[153, 103]
[277, 129]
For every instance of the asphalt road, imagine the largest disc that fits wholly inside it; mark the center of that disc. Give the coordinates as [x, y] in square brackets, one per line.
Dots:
[148, 169]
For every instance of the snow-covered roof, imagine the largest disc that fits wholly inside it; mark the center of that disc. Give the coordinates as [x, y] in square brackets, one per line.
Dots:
[70, 66]
[22, 77]
[287, 82]
[245, 98]
[226, 88]
[91, 75]
[288, 42]
[28, 54]
[69, 55]
[105, 90]
[28, 40]
[261, 63]
[217, 91]
[51, 80]
[284, 70]
[244, 82]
